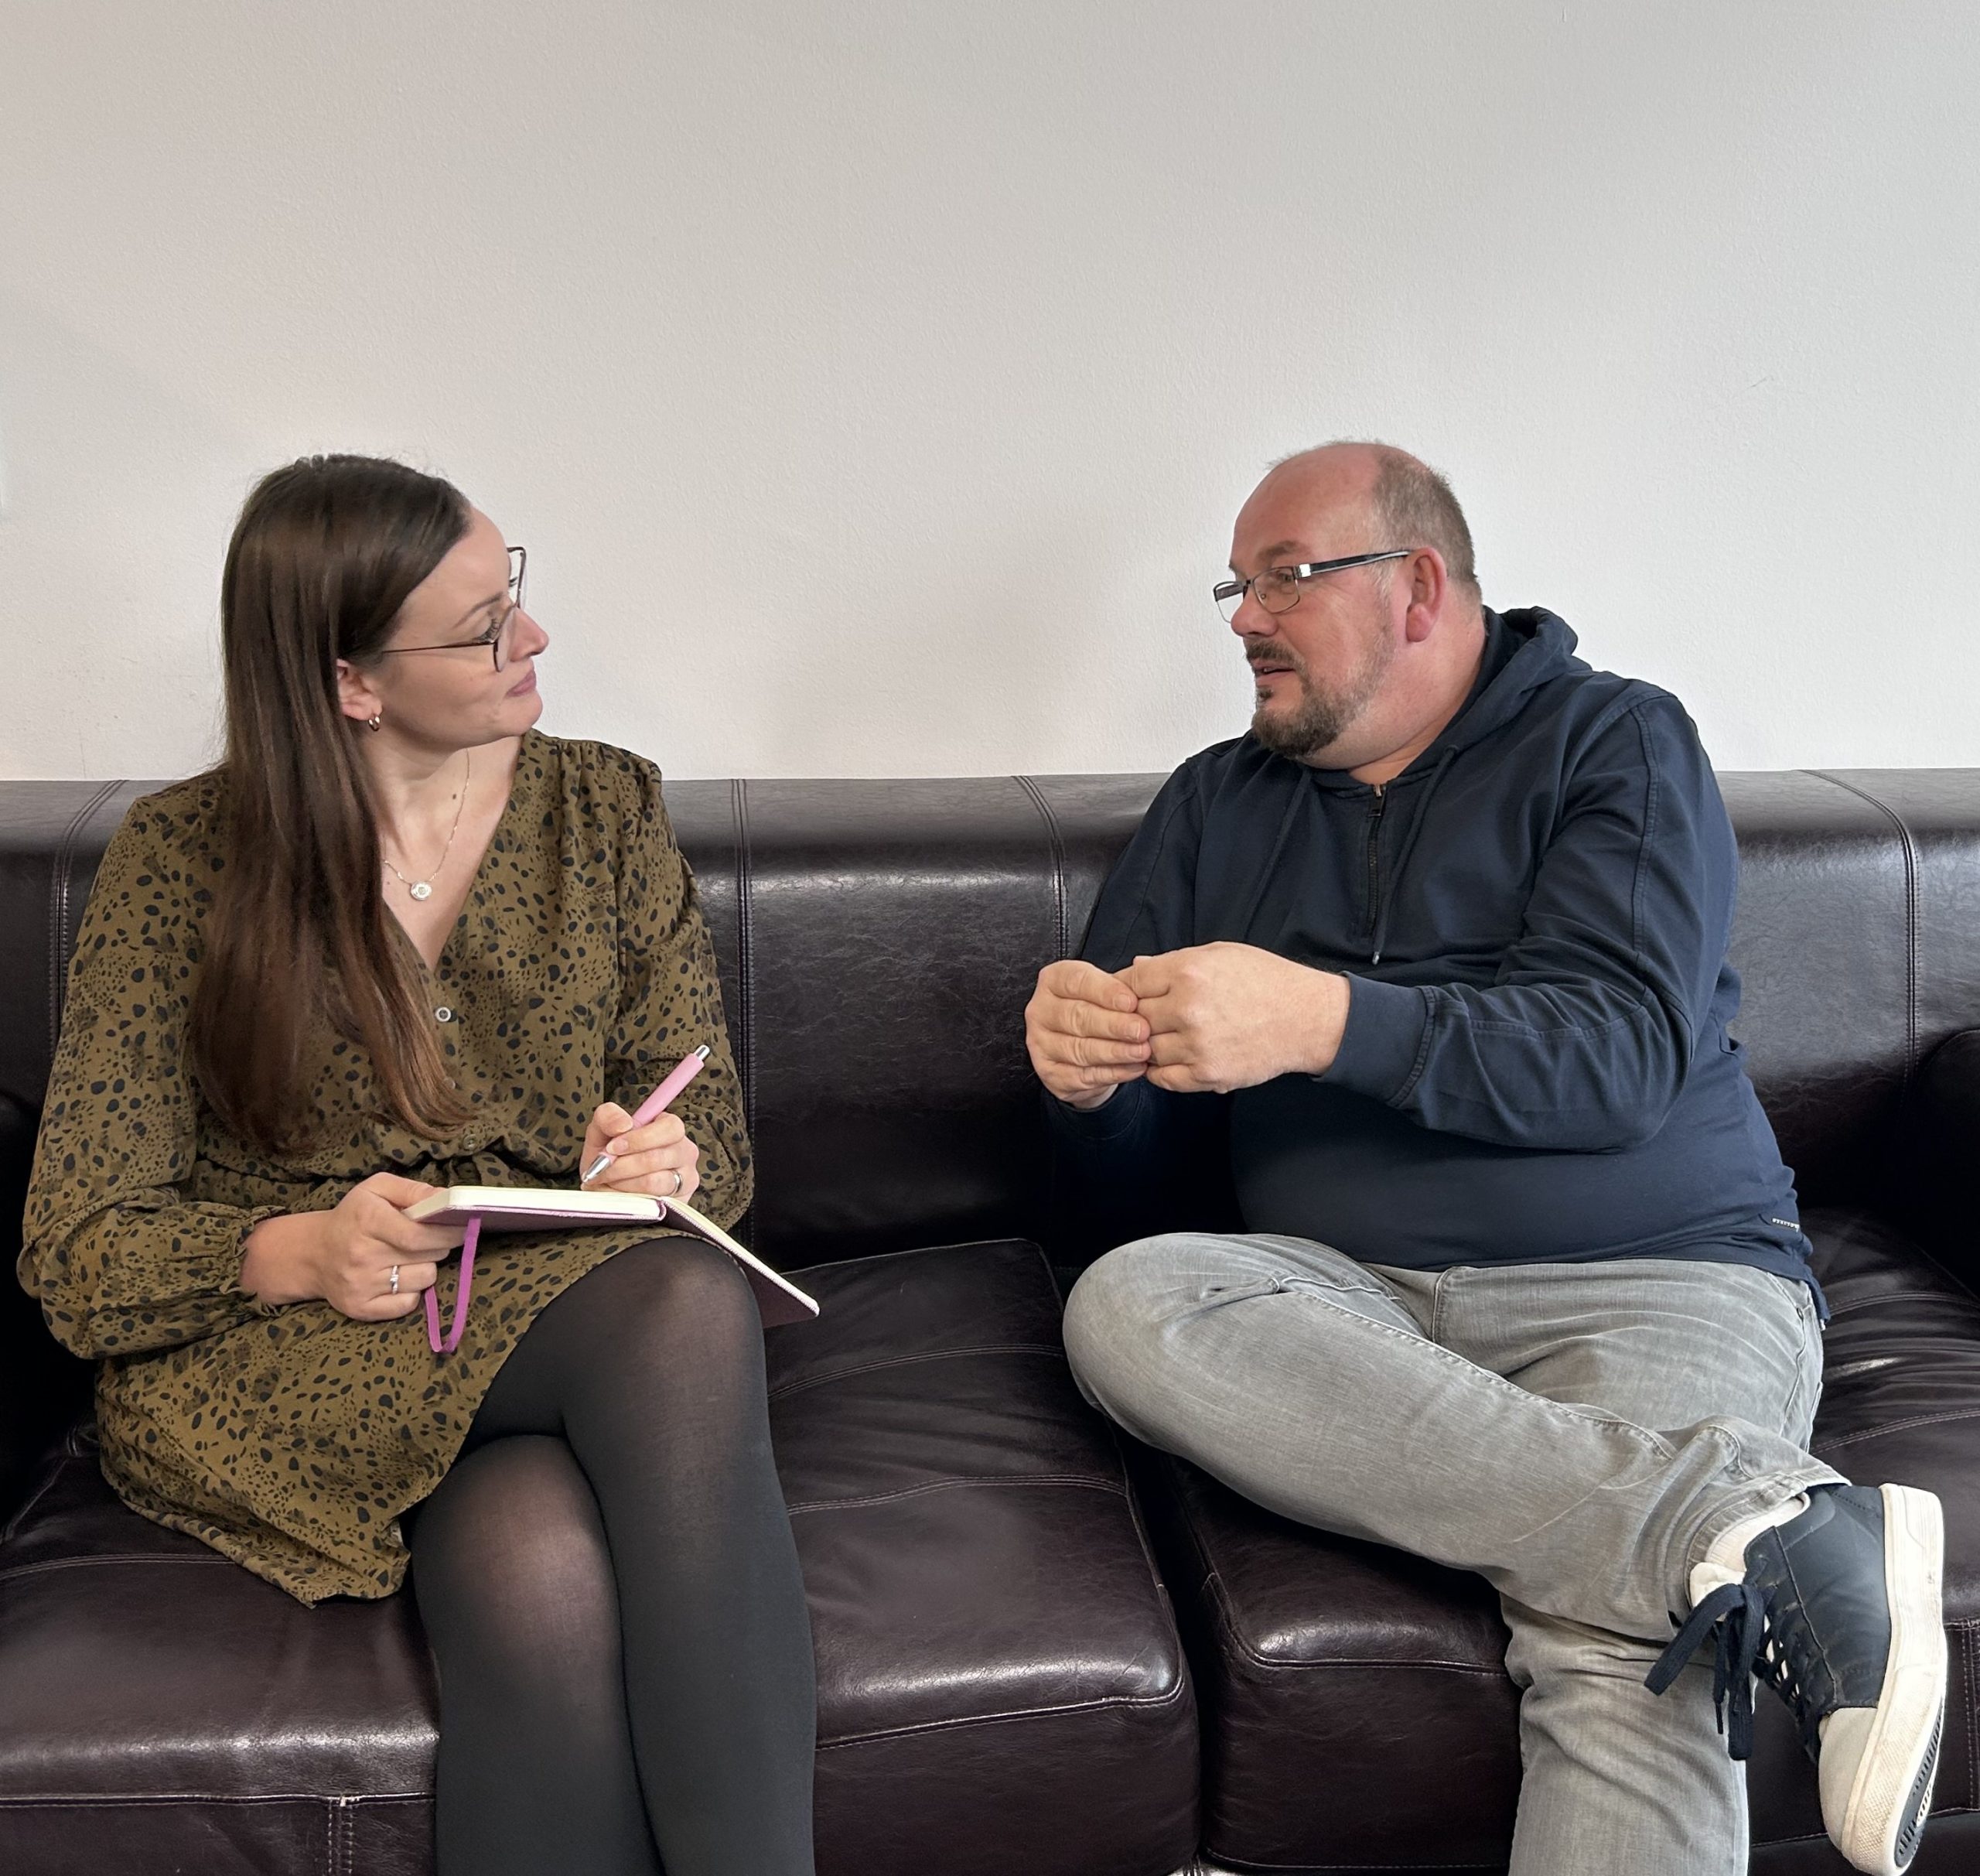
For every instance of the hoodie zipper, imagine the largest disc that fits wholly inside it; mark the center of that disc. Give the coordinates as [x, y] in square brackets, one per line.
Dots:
[1375, 855]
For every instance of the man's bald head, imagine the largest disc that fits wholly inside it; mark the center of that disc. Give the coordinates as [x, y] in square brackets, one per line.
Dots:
[1406, 501]
[1358, 665]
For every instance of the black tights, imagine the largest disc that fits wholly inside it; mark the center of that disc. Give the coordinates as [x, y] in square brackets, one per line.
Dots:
[609, 1581]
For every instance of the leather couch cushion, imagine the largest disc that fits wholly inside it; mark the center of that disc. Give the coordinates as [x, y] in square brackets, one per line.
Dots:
[1328, 1666]
[1000, 1685]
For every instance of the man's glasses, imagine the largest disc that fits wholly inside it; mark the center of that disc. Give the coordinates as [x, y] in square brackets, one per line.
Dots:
[501, 632]
[1277, 588]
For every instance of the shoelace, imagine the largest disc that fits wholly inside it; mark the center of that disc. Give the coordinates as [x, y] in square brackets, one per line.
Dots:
[1735, 1615]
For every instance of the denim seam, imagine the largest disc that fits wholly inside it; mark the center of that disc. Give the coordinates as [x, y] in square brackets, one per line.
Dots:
[1650, 1441]
[1747, 1503]
[1437, 1308]
[1283, 1285]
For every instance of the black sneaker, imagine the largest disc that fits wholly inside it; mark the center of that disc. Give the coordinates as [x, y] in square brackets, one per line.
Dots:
[1837, 1609]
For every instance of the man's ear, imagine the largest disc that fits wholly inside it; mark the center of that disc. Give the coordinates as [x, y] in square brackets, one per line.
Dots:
[356, 697]
[1428, 582]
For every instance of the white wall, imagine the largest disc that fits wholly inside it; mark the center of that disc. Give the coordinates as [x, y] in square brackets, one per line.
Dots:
[874, 383]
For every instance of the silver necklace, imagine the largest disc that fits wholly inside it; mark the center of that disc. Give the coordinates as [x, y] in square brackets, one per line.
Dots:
[423, 889]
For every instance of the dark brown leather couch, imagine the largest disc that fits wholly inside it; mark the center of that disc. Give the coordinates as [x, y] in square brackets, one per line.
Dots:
[1005, 1682]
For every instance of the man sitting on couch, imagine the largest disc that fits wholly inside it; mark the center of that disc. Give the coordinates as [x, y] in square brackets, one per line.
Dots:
[1436, 955]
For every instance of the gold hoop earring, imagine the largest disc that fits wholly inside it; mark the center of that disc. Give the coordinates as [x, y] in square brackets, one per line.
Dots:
[372, 723]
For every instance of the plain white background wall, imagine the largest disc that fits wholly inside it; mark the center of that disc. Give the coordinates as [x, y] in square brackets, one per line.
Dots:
[874, 383]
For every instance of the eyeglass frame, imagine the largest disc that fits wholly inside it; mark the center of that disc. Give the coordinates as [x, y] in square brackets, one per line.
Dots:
[1301, 571]
[492, 638]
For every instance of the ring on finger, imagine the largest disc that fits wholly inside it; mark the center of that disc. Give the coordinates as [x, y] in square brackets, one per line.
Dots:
[679, 1182]
[392, 1280]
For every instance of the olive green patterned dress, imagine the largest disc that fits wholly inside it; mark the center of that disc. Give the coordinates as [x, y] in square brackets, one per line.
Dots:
[291, 1438]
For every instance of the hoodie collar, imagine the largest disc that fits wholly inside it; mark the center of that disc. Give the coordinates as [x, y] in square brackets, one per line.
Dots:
[1524, 650]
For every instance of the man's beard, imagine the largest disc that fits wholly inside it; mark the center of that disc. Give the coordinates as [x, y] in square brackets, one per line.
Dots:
[1319, 717]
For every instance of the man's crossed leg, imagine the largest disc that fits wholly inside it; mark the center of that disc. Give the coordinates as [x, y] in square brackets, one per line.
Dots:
[1586, 1436]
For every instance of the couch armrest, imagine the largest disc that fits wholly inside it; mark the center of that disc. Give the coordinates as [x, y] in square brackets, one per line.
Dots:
[42, 1387]
[1935, 1154]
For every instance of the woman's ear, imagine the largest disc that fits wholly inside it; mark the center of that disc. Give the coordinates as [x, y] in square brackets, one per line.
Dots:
[356, 696]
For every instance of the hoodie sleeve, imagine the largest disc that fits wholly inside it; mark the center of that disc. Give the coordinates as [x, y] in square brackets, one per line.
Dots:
[1146, 1159]
[1584, 1040]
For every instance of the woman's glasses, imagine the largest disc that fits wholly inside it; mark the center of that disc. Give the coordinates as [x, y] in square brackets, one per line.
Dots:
[501, 632]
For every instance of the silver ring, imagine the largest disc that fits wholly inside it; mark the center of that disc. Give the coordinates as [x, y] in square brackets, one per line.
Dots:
[394, 1279]
[679, 1181]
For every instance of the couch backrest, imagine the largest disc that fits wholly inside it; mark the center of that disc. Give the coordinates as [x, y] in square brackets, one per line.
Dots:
[878, 940]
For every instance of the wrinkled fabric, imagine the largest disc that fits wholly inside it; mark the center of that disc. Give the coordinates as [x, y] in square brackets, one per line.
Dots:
[291, 1438]
[1533, 918]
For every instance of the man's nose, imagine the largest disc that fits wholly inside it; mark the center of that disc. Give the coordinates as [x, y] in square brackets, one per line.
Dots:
[1250, 620]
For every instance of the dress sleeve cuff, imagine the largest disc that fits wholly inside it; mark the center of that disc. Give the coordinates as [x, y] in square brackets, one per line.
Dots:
[229, 1273]
[1382, 1045]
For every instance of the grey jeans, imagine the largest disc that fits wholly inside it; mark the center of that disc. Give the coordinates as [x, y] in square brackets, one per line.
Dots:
[1576, 1433]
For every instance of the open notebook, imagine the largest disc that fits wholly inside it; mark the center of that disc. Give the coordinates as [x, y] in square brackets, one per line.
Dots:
[504, 1208]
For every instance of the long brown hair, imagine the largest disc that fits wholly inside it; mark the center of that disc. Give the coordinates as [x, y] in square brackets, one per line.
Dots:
[325, 554]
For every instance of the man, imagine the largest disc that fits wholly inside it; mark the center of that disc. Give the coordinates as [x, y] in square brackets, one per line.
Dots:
[1437, 954]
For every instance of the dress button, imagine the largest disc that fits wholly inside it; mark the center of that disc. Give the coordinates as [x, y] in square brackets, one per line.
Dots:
[443, 1014]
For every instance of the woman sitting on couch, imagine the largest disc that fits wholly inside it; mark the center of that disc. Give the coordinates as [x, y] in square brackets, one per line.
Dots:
[397, 940]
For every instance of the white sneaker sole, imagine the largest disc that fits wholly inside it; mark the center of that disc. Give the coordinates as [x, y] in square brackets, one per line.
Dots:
[1883, 1816]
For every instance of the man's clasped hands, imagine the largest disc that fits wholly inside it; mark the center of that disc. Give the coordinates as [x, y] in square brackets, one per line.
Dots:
[1207, 1019]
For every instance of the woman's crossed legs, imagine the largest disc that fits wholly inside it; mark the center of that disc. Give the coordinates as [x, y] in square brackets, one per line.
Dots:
[609, 1584]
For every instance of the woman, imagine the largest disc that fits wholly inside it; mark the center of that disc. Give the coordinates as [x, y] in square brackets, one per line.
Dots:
[398, 940]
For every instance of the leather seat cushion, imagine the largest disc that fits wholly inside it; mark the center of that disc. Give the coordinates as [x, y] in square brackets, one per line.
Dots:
[999, 1676]
[1324, 1665]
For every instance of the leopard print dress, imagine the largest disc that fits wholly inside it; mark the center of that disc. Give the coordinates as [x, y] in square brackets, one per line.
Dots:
[291, 1438]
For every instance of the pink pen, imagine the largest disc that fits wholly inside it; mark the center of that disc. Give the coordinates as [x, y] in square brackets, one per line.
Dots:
[655, 1104]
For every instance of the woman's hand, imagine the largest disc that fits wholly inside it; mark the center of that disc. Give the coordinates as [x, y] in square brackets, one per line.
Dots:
[644, 1159]
[346, 1255]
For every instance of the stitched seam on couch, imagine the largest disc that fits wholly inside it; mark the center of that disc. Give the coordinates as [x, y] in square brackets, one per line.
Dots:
[142, 1800]
[1086, 1481]
[746, 972]
[1877, 1432]
[119, 1557]
[1052, 1349]
[1143, 1537]
[58, 911]
[1910, 853]
[1057, 848]
[929, 1250]
[55, 1470]
[1226, 1622]
[1149, 1702]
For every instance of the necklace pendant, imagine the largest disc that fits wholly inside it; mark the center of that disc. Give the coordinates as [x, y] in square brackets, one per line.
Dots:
[421, 889]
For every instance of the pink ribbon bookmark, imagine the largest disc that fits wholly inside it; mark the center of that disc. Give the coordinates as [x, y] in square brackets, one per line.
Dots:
[453, 1340]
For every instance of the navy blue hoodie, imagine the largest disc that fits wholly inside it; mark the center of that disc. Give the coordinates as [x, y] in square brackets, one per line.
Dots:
[1533, 918]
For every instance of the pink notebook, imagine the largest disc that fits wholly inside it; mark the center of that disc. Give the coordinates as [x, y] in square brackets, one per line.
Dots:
[499, 1207]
